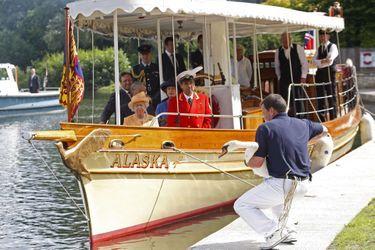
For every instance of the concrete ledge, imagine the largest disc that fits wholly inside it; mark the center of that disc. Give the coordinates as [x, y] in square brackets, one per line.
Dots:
[336, 195]
[367, 95]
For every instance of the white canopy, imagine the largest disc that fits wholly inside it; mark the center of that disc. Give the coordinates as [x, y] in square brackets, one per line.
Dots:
[138, 17]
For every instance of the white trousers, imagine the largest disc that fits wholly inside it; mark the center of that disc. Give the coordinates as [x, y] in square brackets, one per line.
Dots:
[270, 194]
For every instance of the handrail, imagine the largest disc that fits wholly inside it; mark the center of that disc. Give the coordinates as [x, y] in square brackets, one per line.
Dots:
[208, 115]
[242, 117]
[347, 93]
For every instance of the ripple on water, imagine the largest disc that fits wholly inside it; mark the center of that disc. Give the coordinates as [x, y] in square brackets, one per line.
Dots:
[35, 210]
[36, 213]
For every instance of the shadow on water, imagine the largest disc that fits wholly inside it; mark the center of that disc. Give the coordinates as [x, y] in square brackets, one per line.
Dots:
[35, 211]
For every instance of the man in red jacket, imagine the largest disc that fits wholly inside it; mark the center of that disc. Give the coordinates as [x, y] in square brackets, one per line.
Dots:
[189, 102]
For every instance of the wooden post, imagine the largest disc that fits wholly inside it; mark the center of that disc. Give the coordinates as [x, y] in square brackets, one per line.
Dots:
[67, 60]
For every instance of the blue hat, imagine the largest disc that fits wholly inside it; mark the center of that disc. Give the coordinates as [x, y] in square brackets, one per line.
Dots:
[144, 48]
[166, 84]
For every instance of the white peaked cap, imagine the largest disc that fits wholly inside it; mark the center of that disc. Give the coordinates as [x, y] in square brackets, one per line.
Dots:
[187, 73]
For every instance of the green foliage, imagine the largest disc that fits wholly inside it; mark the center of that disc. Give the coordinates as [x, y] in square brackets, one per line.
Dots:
[359, 28]
[292, 4]
[104, 67]
[22, 27]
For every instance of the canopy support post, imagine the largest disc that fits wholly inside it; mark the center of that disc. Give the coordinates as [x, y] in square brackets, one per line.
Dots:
[117, 72]
[235, 52]
[160, 62]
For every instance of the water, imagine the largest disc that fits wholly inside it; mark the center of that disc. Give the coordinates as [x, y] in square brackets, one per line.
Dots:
[35, 211]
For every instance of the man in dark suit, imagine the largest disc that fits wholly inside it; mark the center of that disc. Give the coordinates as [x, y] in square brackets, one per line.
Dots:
[33, 81]
[168, 58]
[147, 72]
[126, 81]
[196, 57]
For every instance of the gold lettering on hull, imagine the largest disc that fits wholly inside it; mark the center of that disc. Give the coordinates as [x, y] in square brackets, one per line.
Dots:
[140, 161]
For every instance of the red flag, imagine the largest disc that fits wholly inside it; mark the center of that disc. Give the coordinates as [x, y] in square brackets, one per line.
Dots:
[71, 86]
[309, 40]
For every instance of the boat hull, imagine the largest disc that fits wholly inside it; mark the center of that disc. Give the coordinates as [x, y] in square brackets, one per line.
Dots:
[130, 192]
[30, 104]
[140, 186]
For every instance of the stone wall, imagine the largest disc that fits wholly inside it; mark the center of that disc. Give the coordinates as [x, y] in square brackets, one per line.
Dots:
[366, 79]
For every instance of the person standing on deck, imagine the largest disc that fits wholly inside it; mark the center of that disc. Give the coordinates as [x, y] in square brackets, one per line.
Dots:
[282, 143]
[291, 67]
[33, 81]
[147, 72]
[326, 59]
[196, 57]
[168, 58]
[244, 68]
[189, 102]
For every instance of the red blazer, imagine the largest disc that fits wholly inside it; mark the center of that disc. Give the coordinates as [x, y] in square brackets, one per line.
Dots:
[200, 105]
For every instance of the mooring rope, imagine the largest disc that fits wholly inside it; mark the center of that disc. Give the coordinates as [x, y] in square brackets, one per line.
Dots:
[311, 103]
[156, 201]
[211, 166]
[365, 109]
[57, 179]
[283, 219]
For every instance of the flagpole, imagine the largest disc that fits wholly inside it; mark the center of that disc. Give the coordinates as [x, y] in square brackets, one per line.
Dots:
[67, 60]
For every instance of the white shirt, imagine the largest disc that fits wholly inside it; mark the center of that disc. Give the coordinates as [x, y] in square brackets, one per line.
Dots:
[332, 54]
[187, 97]
[245, 71]
[302, 60]
[170, 55]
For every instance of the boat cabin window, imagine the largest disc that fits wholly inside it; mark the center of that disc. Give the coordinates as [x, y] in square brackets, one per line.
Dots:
[3, 74]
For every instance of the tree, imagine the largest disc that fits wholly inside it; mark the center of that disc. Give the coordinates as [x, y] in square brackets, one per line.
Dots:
[359, 30]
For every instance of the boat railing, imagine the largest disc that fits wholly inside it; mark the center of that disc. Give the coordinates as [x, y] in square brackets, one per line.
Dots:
[242, 117]
[346, 96]
[43, 89]
[51, 88]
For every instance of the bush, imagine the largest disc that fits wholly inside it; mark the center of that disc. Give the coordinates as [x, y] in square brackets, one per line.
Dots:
[104, 67]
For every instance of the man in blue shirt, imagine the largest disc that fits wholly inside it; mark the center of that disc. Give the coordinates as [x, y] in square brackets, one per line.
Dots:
[283, 143]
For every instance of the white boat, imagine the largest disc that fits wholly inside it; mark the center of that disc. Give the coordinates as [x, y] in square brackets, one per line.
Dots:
[18, 103]
[131, 180]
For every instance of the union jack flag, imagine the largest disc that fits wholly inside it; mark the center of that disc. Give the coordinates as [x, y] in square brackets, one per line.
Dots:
[309, 40]
[72, 86]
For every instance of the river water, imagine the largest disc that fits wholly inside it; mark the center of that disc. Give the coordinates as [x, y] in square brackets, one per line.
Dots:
[35, 211]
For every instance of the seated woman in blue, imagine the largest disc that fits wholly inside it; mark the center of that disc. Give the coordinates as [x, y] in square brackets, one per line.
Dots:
[169, 88]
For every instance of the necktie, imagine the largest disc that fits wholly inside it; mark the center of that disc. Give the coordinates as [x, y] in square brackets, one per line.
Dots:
[190, 101]
[172, 59]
